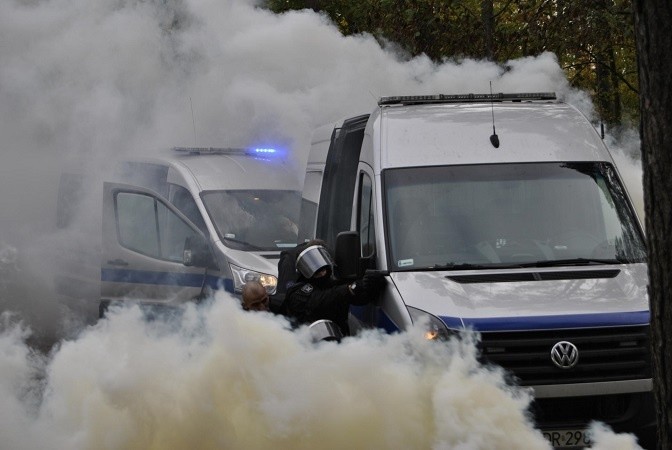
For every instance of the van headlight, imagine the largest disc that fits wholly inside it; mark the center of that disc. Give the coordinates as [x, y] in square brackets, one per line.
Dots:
[242, 276]
[434, 328]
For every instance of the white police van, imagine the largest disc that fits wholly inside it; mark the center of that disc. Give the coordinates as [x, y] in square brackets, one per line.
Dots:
[504, 214]
[178, 226]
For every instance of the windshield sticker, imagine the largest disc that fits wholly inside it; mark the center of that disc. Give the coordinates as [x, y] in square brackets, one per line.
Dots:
[405, 262]
[229, 235]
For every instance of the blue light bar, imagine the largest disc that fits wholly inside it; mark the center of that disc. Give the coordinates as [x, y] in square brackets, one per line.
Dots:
[226, 151]
[210, 150]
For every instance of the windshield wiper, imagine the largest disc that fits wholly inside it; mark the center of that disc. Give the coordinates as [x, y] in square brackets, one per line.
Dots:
[247, 244]
[543, 263]
[575, 262]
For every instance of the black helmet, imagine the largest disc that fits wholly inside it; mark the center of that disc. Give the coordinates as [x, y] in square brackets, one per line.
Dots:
[312, 260]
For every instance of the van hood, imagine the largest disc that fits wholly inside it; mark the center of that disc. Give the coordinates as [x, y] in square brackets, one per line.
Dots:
[523, 298]
[263, 261]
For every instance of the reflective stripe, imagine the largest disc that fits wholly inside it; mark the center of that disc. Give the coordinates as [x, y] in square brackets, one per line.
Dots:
[165, 278]
[554, 322]
[525, 323]
[219, 283]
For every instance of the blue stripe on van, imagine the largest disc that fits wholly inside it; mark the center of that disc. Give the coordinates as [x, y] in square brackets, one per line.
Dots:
[219, 283]
[165, 278]
[533, 322]
[554, 322]
[386, 323]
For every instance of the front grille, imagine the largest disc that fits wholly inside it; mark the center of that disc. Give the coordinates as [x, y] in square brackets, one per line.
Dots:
[605, 354]
[582, 410]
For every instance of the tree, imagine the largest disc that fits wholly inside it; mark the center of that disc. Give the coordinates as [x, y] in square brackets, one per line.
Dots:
[652, 19]
[593, 41]
[488, 19]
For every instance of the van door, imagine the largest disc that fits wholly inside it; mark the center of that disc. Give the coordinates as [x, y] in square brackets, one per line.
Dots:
[340, 176]
[365, 224]
[143, 248]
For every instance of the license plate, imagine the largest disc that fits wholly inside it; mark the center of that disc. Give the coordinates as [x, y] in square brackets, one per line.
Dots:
[567, 438]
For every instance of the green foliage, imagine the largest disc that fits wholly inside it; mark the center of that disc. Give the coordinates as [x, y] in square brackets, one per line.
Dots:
[593, 40]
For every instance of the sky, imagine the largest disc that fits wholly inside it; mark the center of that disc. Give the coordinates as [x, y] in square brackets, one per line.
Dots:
[85, 82]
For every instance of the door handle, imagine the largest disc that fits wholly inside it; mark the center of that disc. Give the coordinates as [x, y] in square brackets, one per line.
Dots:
[117, 262]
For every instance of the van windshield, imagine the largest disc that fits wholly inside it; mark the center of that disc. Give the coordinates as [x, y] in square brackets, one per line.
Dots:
[508, 215]
[254, 219]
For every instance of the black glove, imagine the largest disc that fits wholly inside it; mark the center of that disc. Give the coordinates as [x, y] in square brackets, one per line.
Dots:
[371, 284]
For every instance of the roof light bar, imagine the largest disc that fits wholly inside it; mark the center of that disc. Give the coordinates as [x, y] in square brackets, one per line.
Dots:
[210, 150]
[224, 151]
[465, 98]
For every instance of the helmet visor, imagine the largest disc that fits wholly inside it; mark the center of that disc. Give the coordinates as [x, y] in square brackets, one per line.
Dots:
[312, 259]
[325, 330]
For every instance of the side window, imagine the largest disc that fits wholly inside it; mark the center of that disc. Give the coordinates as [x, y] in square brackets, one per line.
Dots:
[136, 222]
[307, 221]
[365, 221]
[147, 226]
[173, 232]
[181, 198]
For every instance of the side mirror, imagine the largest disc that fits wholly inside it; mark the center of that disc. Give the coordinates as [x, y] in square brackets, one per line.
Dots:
[346, 258]
[197, 252]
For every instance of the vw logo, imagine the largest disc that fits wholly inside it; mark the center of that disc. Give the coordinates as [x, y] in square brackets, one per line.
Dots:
[565, 355]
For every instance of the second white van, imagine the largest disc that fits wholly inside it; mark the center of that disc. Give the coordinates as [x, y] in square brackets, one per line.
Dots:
[177, 226]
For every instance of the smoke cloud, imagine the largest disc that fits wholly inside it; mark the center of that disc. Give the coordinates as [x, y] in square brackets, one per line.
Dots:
[84, 82]
[189, 382]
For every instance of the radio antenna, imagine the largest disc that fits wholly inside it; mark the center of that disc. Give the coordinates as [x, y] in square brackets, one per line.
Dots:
[193, 122]
[494, 139]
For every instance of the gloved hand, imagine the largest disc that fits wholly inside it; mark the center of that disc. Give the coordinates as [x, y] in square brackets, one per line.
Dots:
[367, 288]
[372, 283]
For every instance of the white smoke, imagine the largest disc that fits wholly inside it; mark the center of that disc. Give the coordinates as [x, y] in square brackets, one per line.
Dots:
[218, 377]
[85, 81]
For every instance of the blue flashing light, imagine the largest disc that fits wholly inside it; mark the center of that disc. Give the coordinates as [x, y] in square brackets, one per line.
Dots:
[265, 152]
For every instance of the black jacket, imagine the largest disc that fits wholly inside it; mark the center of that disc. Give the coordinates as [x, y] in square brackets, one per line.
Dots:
[305, 303]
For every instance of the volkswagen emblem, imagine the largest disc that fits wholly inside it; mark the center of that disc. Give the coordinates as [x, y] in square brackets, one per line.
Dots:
[565, 355]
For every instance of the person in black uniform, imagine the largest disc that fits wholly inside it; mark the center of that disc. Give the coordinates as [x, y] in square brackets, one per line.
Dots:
[318, 296]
